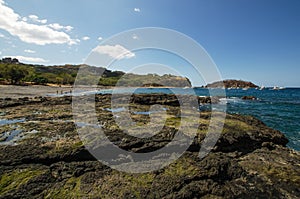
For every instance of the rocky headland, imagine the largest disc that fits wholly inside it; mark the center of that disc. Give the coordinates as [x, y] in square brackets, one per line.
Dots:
[41, 155]
[232, 84]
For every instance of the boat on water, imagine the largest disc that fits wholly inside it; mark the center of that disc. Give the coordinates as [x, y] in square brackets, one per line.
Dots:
[278, 88]
[262, 88]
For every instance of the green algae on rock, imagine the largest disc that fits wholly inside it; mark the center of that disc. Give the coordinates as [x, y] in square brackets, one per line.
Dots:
[249, 160]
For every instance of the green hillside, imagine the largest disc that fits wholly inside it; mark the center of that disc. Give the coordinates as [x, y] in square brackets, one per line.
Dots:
[14, 72]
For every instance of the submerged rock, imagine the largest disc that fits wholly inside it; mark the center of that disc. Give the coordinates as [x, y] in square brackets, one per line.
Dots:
[249, 98]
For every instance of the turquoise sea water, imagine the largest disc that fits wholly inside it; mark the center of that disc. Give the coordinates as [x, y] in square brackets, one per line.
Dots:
[279, 109]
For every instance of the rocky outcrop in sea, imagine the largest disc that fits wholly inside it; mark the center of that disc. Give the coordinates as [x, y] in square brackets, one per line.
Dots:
[232, 84]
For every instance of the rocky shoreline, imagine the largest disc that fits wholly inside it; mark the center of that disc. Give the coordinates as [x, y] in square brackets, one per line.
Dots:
[46, 158]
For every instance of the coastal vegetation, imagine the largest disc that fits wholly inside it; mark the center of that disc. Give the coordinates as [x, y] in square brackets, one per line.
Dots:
[16, 73]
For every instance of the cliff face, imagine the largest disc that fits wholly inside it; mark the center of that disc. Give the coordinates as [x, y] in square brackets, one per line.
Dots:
[250, 160]
[232, 84]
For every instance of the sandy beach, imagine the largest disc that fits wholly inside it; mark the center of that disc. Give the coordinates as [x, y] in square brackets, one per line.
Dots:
[12, 91]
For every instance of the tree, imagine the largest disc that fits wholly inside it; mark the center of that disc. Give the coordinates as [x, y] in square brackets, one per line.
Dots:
[14, 73]
[67, 78]
[39, 80]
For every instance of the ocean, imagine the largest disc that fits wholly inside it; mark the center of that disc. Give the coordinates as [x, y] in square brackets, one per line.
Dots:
[278, 109]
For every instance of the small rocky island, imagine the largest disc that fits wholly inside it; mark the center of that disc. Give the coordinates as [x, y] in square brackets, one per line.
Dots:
[232, 84]
[41, 155]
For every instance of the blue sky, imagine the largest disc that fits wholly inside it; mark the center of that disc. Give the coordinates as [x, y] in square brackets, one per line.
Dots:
[252, 40]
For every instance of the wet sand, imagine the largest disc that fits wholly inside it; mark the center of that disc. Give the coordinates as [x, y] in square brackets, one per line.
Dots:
[11, 91]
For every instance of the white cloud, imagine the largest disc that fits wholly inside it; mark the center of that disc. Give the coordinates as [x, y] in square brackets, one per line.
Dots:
[36, 19]
[135, 37]
[57, 26]
[29, 51]
[100, 38]
[137, 10]
[29, 59]
[116, 52]
[2, 36]
[68, 28]
[28, 32]
[33, 17]
[86, 38]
